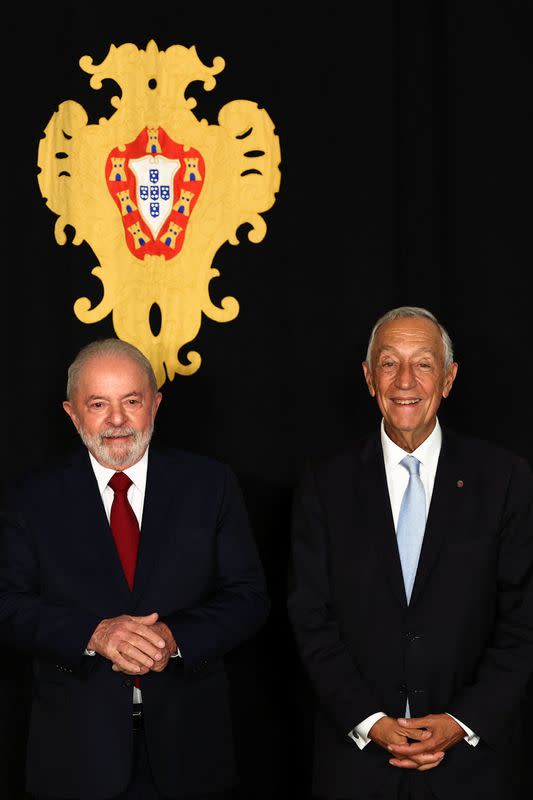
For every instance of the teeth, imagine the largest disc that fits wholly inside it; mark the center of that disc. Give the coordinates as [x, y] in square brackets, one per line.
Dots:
[406, 402]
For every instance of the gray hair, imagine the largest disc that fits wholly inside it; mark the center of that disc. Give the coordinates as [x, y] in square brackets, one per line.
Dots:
[107, 347]
[413, 312]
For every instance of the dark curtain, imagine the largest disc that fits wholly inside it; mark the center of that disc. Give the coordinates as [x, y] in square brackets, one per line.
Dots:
[406, 179]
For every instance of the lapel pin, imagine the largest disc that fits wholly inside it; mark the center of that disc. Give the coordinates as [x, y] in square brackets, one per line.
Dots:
[460, 484]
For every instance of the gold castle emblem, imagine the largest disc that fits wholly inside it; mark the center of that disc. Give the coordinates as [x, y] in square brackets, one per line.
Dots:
[156, 192]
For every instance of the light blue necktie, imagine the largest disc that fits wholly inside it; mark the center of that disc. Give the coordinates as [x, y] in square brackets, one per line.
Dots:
[411, 523]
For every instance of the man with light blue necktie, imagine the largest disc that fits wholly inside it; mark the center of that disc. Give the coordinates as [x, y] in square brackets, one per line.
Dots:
[411, 591]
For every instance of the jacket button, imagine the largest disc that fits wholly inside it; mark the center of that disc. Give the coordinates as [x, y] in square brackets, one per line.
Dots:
[402, 688]
[128, 683]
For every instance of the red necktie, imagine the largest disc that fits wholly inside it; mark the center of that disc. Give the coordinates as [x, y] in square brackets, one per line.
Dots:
[124, 525]
[125, 529]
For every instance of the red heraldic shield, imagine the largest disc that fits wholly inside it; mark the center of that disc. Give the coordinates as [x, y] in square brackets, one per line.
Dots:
[155, 184]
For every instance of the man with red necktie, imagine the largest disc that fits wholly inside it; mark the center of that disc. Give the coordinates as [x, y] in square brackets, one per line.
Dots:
[128, 573]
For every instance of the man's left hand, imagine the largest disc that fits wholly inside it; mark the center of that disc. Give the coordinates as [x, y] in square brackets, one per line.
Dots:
[170, 645]
[170, 648]
[445, 733]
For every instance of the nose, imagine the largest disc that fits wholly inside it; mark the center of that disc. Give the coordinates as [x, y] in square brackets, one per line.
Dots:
[116, 415]
[405, 377]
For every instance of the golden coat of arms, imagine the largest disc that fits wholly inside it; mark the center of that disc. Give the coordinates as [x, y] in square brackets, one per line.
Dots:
[155, 192]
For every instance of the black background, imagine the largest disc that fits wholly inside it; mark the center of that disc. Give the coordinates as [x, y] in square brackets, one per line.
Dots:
[406, 179]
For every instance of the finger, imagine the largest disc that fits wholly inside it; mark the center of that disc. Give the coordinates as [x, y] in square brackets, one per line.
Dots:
[128, 665]
[424, 760]
[148, 645]
[142, 670]
[400, 739]
[425, 767]
[133, 631]
[416, 733]
[138, 655]
[414, 722]
[403, 763]
[160, 666]
[148, 619]
[165, 633]
[412, 749]
[138, 649]
[145, 634]
[429, 758]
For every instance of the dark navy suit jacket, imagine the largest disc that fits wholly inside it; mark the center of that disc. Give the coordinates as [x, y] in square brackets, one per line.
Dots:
[464, 645]
[198, 567]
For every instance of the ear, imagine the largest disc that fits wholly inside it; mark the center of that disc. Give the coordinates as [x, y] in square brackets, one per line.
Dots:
[157, 401]
[69, 408]
[368, 379]
[449, 379]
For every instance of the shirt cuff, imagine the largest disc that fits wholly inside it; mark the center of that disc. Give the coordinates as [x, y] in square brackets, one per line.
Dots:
[471, 737]
[93, 653]
[359, 734]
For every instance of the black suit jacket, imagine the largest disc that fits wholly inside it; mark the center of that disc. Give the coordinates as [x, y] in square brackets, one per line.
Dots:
[464, 645]
[60, 575]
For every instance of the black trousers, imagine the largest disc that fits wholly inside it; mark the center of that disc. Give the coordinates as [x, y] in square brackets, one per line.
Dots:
[412, 786]
[142, 786]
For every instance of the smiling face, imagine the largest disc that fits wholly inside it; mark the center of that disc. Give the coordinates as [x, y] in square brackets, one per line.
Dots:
[113, 409]
[408, 378]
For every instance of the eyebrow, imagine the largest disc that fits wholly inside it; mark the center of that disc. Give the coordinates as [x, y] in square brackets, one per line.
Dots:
[103, 396]
[418, 352]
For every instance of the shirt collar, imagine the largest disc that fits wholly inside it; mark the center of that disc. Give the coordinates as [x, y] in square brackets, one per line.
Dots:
[427, 453]
[137, 472]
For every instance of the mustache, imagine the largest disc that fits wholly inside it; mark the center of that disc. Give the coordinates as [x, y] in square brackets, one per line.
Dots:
[115, 433]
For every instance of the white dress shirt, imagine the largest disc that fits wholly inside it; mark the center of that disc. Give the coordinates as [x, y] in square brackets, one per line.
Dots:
[137, 474]
[397, 480]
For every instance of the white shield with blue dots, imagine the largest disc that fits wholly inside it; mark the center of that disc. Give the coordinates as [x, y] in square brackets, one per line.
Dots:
[154, 176]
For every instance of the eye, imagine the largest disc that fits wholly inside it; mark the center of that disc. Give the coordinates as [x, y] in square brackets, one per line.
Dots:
[387, 363]
[424, 365]
[132, 401]
[97, 404]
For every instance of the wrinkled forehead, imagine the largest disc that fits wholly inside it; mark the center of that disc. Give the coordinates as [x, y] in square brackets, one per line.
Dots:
[112, 372]
[409, 334]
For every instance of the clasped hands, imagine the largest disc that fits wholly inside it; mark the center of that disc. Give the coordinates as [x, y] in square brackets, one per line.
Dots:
[432, 735]
[134, 645]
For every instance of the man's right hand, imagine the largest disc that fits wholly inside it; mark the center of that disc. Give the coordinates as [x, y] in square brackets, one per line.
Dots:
[387, 731]
[131, 643]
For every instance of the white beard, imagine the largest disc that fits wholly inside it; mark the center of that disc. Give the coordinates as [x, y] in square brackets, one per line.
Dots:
[121, 455]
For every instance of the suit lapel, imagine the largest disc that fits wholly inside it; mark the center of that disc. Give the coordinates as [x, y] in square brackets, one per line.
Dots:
[444, 511]
[375, 502]
[94, 539]
[154, 528]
